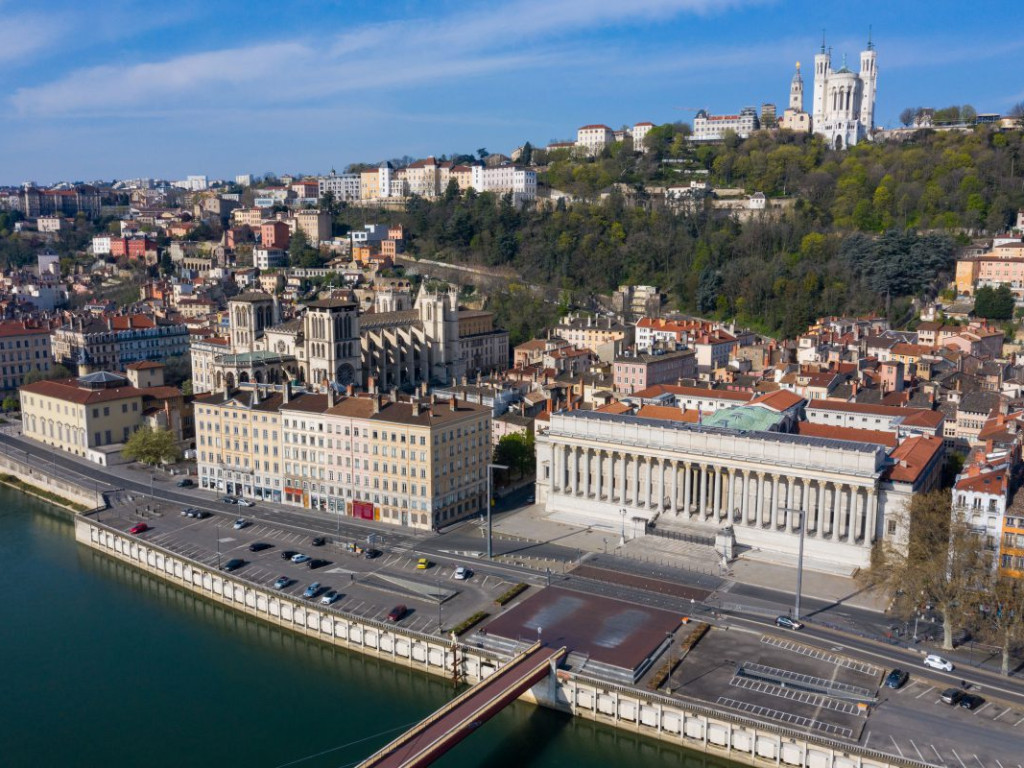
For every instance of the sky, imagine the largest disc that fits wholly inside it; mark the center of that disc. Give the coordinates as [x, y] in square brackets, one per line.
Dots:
[117, 89]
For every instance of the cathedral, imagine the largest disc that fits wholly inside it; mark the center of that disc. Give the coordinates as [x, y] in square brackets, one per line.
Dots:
[844, 101]
[333, 344]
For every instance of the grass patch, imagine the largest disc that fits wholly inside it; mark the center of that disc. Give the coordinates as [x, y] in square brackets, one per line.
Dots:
[21, 485]
[511, 594]
[468, 624]
[664, 672]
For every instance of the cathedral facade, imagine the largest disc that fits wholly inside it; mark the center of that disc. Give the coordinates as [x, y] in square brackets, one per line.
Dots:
[844, 101]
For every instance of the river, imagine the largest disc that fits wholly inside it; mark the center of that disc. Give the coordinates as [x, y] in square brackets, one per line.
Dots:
[106, 666]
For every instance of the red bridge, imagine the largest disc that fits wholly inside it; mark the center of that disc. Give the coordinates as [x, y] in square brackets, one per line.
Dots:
[426, 742]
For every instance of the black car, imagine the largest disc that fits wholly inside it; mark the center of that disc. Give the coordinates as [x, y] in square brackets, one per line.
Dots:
[319, 541]
[971, 701]
[317, 563]
[233, 564]
[897, 678]
[259, 546]
[952, 696]
[371, 553]
[185, 482]
[788, 623]
[228, 500]
[201, 514]
[288, 554]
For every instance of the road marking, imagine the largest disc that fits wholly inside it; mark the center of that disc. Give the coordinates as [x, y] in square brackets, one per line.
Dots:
[1016, 724]
[979, 761]
[919, 751]
[867, 738]
[943, 762]
[957, 757]
[898, 746]
[922, 693]
[986, 704]
[999, 764]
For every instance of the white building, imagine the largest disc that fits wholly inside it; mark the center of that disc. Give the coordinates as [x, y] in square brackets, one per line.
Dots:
[707, 127]
[101, 245]
[607, 470]
[268, 258]
[640, 131]
[844, 101]
[521, 183]
[591, 139]
[344, 186]
[244, 179]
[794, 118]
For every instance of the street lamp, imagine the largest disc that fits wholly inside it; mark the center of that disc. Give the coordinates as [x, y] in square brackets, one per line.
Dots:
[490, 502]
[799, 565]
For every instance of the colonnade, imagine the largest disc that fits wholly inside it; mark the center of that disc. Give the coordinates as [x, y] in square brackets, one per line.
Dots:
[706, 491]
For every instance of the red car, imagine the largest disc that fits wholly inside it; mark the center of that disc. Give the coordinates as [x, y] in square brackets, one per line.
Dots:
[138, 528]
[397, 613]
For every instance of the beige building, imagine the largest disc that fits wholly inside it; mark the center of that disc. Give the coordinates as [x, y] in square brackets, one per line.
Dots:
[23, 348]
[592, 139]
[93, 416]
[249, 217]
[314, 224]
[414, 462]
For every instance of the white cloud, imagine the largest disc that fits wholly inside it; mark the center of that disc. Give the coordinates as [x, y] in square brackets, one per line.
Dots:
[519, 36]
[22, 35]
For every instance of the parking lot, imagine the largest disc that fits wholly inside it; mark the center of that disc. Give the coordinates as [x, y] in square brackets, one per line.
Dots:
[368, 588]
[774, 676]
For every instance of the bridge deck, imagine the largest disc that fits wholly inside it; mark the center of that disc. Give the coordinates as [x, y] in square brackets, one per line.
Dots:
[438, 733]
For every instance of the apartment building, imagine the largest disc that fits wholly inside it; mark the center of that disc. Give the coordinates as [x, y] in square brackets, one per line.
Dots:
[708, 127]
[23, 348]
[314, 224]
[414, 462]
[344, 186]
[111, 342]
[592, 139]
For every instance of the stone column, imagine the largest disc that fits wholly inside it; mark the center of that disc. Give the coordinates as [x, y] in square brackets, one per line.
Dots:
[763, 501]
[661, 484]
[858, 515]
[804, 518]
[586, 473]
[702, 489]
[675, 488]
[636, 481]
[555, 449]
[687, 476]
[729, 512]
[828, 510]
[623, 465]
[716, 501]
[649, 484]
[575, 470]
[843, 509]
[871, 503]
[748, 509]
[777, 513]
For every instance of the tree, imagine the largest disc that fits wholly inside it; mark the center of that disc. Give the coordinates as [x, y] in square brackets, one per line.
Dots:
[1004, 615]
[10, 403]
[907, 116]
[936, 559]
[56, 371]
[152, 446]
[482, 152]
[994, 303]
[527, 155]
[516, 451]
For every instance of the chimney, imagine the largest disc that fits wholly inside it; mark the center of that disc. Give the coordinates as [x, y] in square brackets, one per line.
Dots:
[376, 403]
[415, 408]
[371, 385]
[286, 393]
[453, 404]
[424, 389]
[331, 401]
[394, 394]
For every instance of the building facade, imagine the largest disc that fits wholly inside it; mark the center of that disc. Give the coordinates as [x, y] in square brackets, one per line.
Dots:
[707, 127]
[114, 341]
[23, 348]
[844, 101]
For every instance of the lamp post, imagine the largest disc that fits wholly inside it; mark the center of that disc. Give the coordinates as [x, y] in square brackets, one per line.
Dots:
[490, 503]
[799, 564]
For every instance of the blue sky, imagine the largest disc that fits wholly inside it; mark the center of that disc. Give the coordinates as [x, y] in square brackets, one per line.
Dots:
[118, 89]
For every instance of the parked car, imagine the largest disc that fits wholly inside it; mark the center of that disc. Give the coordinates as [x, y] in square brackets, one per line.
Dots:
[139, 528]
[186, 482]
[971, 701]
[200, 514]
[370, 554]
[952, 696]
[233, 564]
[259, 546]
[288, 554]
[317, 562]
[462, 573]
[318, 541]
[186, 511]
[245, 503]
[228, 499]
[937, 662]
[422, 564]
[298, 557]
[396, 613]
[282, 582]
[240, 523]
[897, 678]
[329, 597]
[312, 590]
[787, 623]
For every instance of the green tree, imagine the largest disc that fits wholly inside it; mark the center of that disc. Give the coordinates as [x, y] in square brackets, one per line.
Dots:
[994, 303]
[152, 446]
[1003, 615]
[516, 451]
[10, 403]
[935, 558]
[56, 371]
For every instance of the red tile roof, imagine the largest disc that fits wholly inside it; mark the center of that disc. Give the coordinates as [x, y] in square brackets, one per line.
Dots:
[668, 413]
[987, 482]
[912, 456]
[888, 439]
[779, 401]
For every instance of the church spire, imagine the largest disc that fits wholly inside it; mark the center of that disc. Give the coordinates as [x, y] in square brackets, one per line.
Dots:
[871, 45]
[822, 39]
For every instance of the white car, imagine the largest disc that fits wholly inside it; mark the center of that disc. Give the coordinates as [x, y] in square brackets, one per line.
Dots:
[240, 523]
[461, 573]
[937, 662]
[245, 503]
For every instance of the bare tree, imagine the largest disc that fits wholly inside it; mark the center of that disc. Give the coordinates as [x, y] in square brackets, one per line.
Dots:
[1004, 615]
[941, 563]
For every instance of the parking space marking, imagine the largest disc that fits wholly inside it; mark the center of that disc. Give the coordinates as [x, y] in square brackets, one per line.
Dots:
[919, 751]
[817, 653]
[979, 761]
[958, 757]
[787, 717]
[1018, 722]
[943, 762]
[803, 697]
[982, 707]
[925, 691]
[999, 764]
[896, 745]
